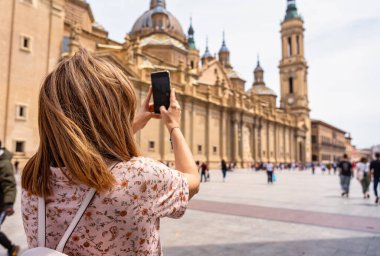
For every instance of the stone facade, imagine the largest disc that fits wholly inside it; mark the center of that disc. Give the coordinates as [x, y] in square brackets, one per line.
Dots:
[329, 143]
[221, 120]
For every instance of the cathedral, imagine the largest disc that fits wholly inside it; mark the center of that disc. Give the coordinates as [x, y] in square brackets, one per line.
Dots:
[221, 119]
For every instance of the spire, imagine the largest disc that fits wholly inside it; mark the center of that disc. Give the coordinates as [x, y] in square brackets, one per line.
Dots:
[291, 11]
[155, 3]
[259, 73]
[258, 67]
[190, 39]
[224, 45]
[207, 53]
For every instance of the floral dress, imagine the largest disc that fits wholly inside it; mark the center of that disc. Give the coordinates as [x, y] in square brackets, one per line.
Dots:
[123, 221]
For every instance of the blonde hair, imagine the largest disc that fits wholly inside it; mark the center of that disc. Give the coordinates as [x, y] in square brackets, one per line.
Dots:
[86, 111]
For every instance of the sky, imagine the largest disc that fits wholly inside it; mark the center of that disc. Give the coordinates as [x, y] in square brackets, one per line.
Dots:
[342, 44]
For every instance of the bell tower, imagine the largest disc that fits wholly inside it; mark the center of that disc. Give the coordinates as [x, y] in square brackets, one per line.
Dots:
[293, 76]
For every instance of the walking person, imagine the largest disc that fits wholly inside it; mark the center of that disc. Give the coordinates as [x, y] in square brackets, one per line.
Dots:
[375, 171]
[345, 172]
[270, 172]
[204, 172]
[223, 165]
[7, 196]
[329, 166]
[335, 166]
[17, 163]
[88, 160]
[364, 176]
[313, 168]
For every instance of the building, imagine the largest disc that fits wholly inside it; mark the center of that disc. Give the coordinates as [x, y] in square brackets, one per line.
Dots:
[221, 120]
[329, 143]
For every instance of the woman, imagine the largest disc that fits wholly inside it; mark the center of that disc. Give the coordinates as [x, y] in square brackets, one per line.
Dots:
[363, 176]
[87, 124]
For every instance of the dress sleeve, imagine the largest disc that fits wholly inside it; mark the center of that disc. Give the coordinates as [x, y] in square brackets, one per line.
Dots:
[167, 190]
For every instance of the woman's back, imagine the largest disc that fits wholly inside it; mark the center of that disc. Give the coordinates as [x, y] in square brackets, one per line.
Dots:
[122, 221]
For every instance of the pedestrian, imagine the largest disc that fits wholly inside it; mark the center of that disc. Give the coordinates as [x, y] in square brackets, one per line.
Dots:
[88, 159]
[17, 163]
[363, 176]
[323, 167]
[7, 196]
[375, 171]
[335, 166]
[329, 167]
[223, 165]
[204, 172]
[270, 172]
[313, 168]
[345, 172]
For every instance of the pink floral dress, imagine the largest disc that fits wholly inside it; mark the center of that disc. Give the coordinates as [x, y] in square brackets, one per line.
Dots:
[123, 221]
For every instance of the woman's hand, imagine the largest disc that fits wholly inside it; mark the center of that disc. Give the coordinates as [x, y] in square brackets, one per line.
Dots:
[145, 113]
[172, 116]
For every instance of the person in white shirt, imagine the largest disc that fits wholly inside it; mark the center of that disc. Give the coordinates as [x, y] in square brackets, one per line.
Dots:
[363, 176]
[270, 170]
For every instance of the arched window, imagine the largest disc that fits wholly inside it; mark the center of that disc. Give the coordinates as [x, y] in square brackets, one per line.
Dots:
[290, 51]
[298, 45]
[291, 85]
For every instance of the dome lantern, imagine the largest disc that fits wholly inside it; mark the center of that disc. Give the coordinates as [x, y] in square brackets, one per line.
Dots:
[155, 3]
[291, 11]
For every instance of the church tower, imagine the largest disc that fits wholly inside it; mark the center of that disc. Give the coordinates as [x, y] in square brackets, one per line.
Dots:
[193, 53]
[224, 54]
[293, 75]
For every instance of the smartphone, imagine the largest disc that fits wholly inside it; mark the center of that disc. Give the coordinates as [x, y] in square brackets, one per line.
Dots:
[161, 90]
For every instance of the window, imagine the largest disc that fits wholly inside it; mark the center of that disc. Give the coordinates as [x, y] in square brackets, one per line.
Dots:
[314, 158]
[26, 43]
[290, 51]
[65, 48]
[215, 150]
[298, 45]
[152, 145]
[291, 86]
[199, 149]
[192, 64]
[21, 112]
[20, 147]
[313, 139]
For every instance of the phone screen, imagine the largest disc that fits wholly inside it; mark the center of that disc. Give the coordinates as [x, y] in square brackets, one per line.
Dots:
[161, 90]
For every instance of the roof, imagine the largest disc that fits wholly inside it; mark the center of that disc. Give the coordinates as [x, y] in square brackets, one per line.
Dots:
[262, 90]
[145, 21]
[319, 122]
[161, 39]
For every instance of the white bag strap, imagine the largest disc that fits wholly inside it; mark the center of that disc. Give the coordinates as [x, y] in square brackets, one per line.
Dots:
[42, 220]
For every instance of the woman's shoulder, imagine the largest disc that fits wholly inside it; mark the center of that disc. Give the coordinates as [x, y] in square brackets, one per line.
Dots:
[142, 165]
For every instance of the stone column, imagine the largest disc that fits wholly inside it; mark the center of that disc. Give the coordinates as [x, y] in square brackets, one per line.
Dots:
[223, 134]
[275, 142]
[208, 133]
[254, 141]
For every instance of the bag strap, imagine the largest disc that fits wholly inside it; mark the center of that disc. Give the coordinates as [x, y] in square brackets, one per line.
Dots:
[42, 219]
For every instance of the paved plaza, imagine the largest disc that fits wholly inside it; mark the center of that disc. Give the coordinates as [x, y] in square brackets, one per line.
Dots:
[300, 214]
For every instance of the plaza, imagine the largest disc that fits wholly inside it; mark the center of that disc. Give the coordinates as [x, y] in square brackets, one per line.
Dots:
[300, 214]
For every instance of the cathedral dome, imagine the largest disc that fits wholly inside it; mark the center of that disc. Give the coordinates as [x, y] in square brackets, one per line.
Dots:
[158, 19]
[263, 90]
